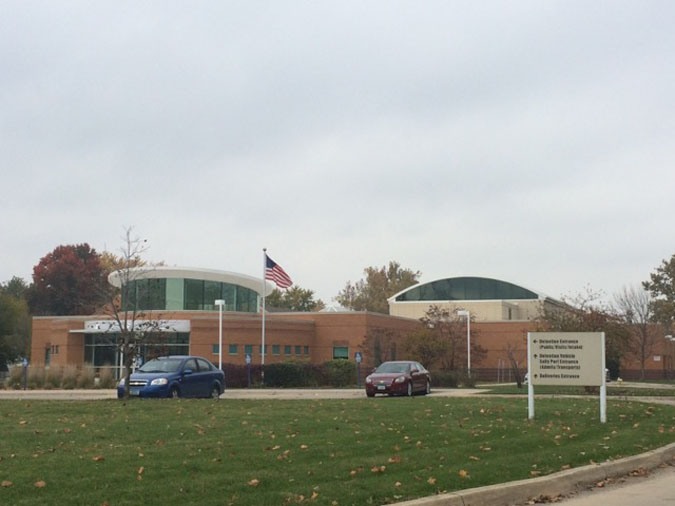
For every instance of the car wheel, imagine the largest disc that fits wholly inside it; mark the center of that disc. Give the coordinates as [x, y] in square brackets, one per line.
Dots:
[370, 394]
[174, 393]
[410, 389]
[427, 390]
[215, 392]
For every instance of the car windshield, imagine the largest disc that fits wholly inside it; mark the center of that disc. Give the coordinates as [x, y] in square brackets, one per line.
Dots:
[163, 365]
[393, 367]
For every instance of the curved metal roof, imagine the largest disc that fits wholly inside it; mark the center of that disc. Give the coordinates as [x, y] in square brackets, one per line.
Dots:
[164, 272]
[466, 288]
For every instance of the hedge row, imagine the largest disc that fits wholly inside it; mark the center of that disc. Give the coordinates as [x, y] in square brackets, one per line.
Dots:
[293, 374]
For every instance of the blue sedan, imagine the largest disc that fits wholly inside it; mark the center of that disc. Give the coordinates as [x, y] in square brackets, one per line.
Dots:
[175, 376]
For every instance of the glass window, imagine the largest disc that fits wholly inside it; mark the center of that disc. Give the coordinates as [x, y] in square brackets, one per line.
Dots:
[230, 297]
[194, 294]
[174, 294]
[212, 292]
[192, 365]
[298, 350]
[267, 349]
[248, 348]
[340, 352]
[276, 349]
[233, 349]
[204, 365]
[287, 349]
[306, 350]
[215, 349]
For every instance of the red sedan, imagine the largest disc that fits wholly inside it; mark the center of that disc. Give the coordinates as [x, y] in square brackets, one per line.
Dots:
[401, 377]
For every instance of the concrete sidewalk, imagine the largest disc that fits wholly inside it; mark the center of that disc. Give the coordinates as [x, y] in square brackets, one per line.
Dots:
[656, 489]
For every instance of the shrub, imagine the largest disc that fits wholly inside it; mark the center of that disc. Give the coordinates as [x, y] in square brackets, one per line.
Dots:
[53, 377]
[445, 379]
[236, 375]
[36, 377]
[106, 378]
[85, 379]
[69, 380]
[452, 379]
[338, 373]
[15, 379]
[291, 374]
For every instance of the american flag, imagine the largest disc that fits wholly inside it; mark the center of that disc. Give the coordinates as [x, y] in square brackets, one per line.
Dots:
[274, 272]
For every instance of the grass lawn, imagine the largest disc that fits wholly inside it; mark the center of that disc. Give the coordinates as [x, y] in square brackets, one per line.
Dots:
[330, 452]
[612, 390]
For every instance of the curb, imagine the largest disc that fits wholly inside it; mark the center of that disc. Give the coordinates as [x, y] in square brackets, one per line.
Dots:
[560, 483]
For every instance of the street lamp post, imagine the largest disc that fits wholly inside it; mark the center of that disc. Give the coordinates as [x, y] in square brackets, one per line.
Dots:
[220, 303]
[463, 312]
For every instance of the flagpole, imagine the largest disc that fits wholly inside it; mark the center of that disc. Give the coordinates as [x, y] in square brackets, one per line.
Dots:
[262, 351]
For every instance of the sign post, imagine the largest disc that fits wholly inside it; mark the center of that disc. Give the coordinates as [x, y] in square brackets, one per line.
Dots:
[358, 356]
[24, 363]
[248, 369]
[567, 359]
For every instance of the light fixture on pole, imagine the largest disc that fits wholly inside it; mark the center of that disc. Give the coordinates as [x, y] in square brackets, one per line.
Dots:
[220, 303]
[462, 312]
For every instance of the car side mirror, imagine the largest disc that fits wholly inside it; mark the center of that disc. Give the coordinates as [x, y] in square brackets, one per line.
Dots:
[414, 370]
[187, 372]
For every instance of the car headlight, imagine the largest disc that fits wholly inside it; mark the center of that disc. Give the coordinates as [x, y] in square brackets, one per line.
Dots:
[159, 381]
[369, 380]
[400, 379]
[121, 383]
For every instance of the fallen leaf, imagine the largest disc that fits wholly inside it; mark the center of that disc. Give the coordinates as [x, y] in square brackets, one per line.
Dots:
[315, 494]
[397, 484]
[6, 483]
[473, 458]
[396, 459]
[141, 469]
[352, 473]
[431, 481]
[40, 484]
[67, 430]
[535, 473]
[23, 422]
[303, 447]
[463, 474]
[253, 483]
[375, 469]
[98, 458]
[159, 442]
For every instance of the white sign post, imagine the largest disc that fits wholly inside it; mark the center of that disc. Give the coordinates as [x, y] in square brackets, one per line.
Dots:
[566, 358]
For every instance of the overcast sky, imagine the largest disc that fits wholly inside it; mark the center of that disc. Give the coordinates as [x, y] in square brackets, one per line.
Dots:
[530, 141]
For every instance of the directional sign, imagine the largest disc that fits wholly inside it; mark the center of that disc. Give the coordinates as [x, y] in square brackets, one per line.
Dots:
[566, 358]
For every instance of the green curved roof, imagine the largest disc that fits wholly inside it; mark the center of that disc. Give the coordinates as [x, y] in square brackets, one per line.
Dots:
[465, 288]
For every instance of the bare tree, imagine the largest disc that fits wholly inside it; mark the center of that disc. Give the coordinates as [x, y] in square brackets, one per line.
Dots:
[443, 340]
[133, 326]
[515, 356]
[634, 305]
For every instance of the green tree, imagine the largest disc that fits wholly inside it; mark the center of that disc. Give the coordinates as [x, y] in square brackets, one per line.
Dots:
[293, 299]
[380, 283]
[16, 287]
[587, 312]
[67, 281]
[14, 324]
[661, 286]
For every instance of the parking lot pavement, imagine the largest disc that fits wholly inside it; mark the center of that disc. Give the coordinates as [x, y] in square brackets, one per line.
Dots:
[59, 395]
[230, 393]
